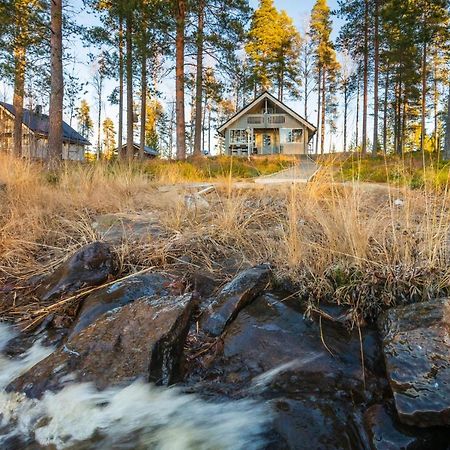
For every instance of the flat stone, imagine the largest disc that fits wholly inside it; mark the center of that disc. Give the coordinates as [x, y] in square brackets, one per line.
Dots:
[89, 266]
[237, 294]
[115, 228]
[120, 294]
[144, 339]
[386, 433]
[416, 347]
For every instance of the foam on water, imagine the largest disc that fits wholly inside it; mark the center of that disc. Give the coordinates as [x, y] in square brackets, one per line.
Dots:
[148, 416]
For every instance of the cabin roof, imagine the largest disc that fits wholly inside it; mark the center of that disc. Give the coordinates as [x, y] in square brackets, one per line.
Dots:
[148, 150]
[277, 102]
[39, 124]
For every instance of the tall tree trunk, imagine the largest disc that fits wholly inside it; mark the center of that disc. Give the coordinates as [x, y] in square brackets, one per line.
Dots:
[199, 79]
[306, 98]
[424, 97]
[319, 83]
[345, 115]
[358, 91]
[55, 132]
[205, 107]
[446, 153]
[366, 75]
[143, 104]
[376, 78]
[399, 118]
[130, 118]
[404, 121]
[99, 117]
[324, 107]
[120, 131]
[19, 92]
[386, 92]
[179, 88]
[436, 105]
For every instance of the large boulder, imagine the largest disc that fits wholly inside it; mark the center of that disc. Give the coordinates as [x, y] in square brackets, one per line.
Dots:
[309, 372]
[144, 339]
[89, 266]
[120, 294]
[416, 347]
[237, 294]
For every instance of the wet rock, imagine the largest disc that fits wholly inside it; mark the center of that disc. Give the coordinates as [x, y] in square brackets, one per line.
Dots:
[237, 294]
[120, 294]
[416, 347]
[314, 425]
[89, 266]
[283, 351]
[144, 339]
[204, 284]
[386, 433]
[115, 228]
[310, 373]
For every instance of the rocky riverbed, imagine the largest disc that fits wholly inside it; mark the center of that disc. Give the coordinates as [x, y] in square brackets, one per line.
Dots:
[150, 363]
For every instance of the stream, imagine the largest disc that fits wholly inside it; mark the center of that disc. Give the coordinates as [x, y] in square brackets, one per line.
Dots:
[137, 416]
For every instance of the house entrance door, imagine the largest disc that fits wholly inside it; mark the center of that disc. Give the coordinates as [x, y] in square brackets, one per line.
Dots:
[267, 143]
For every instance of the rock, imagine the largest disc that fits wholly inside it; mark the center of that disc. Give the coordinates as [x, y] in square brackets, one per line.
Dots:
[416, 347]
[204, 284]
[312, 425]
[385, 433]
[195, 202]
[144, 339]
[309, 373]
[120, 294]
[115, 228]
[237, 294]
[89, 266]
[285, 352]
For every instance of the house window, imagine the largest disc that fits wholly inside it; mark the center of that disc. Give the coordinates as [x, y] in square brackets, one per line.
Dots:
[291, 136]
[254, 120]
[238, 137]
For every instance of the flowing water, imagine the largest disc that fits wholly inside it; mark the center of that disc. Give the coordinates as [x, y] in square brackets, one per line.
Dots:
[137, 416]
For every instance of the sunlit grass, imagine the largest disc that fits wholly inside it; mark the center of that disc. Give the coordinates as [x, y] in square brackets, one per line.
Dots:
[368, 246]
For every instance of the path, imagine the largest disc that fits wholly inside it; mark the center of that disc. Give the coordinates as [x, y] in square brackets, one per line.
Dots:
[300, 173]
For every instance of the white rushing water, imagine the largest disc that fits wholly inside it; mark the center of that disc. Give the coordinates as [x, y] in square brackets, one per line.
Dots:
[146, 416]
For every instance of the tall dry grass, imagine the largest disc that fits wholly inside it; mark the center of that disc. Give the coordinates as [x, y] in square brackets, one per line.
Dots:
[362, 245]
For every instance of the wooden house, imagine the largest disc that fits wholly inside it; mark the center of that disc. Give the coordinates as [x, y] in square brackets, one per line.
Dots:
[149, 152]
[266, 127]
[35, 126]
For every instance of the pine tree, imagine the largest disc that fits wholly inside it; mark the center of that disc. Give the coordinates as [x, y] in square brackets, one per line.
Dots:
[55, 132]
[85, 123]
[220, 30]
[22, 36]
[326, 63]
[180, 17]
[273, 47]
[109, 138]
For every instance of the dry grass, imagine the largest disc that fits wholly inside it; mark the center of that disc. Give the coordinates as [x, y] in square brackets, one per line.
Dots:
[351, 244]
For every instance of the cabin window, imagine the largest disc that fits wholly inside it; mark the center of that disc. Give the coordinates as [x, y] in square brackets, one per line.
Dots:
[291, 136]
[238, 137]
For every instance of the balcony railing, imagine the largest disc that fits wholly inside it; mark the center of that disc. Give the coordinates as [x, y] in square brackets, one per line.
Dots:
[266, 120]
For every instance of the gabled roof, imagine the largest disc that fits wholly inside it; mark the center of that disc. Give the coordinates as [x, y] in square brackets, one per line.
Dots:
[39, 124]
[148, 150]
[277, 102]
